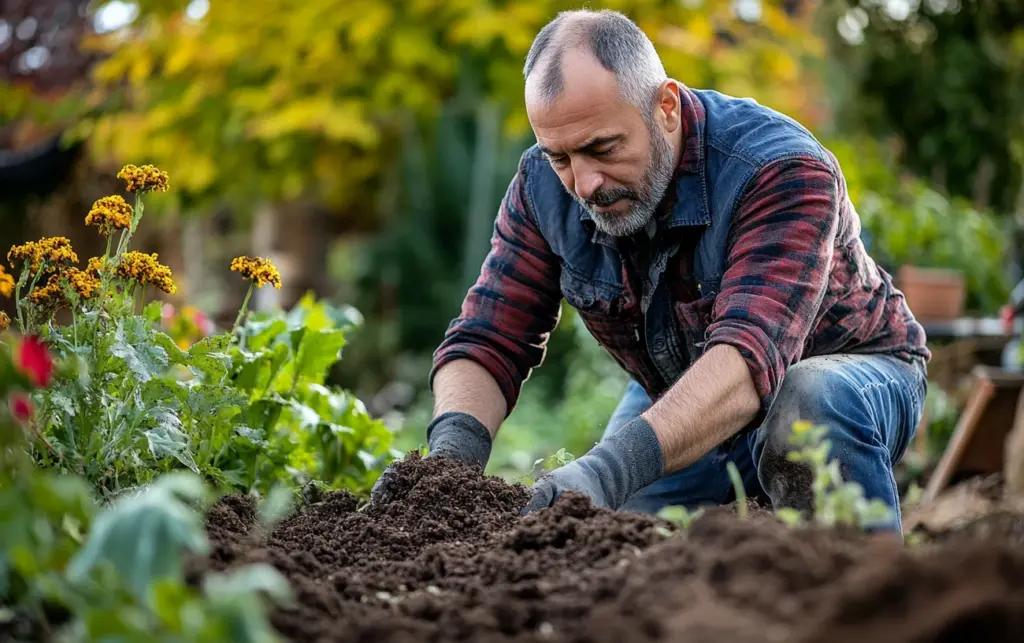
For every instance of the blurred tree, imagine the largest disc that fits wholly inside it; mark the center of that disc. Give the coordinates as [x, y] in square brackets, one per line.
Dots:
[946, 77]
[272, 99]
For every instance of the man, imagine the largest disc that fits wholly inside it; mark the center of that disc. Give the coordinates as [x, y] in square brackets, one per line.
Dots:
[711, 248]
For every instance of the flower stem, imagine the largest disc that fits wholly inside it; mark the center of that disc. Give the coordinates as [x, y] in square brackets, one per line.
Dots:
[243, 309]
[22, 278]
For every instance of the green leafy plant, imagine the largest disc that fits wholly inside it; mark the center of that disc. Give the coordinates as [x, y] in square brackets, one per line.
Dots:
[679, 515]
[835, 502]
[246, 409]
[70, 571]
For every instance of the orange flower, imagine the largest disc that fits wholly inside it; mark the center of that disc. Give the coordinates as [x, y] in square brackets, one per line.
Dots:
[6, 283]
[147, 178]
[110, 213]
[55, 251]
[260, 271]
[145, 269]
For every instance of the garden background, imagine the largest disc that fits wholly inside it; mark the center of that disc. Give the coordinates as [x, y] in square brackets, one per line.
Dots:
[363, 146]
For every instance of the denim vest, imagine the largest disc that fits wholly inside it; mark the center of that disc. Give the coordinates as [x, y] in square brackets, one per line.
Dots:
[737, 138]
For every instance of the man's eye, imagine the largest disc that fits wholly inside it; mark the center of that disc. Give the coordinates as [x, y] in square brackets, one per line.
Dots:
[558, 161]
[605, 152]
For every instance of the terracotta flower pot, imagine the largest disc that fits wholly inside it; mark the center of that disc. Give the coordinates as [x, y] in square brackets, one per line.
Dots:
[933, 293]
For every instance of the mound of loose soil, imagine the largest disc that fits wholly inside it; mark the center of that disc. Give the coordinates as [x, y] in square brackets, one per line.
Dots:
[447, 557]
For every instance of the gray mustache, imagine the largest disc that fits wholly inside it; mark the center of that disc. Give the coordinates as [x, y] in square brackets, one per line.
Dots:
[604, 198]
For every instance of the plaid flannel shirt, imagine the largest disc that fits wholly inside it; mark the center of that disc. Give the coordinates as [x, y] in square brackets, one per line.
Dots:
[798, 282]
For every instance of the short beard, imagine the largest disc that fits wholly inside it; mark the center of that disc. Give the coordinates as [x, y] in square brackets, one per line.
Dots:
[644, 201]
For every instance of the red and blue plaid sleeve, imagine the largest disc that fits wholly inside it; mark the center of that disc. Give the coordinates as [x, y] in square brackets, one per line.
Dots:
[779, 260]
[509, 313]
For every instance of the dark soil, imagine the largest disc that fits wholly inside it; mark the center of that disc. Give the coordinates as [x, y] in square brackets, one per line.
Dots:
[447, 557]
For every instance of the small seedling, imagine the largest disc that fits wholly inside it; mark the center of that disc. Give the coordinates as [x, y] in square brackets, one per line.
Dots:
[679, 515]
[737, 486]
[835, 502]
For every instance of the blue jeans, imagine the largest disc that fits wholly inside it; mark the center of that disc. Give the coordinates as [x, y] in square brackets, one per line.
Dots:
[871, 405]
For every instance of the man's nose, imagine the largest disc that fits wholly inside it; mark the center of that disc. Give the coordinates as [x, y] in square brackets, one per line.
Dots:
[586, 180]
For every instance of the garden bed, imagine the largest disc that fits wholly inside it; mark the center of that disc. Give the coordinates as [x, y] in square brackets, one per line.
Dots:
[448, 557]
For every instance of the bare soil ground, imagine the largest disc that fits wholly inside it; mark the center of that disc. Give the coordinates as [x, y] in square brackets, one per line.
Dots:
[448, 557]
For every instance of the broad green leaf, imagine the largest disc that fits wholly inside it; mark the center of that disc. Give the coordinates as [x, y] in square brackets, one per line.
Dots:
[275, 506]
[209, 359]
[145, 536]
[153, 311]
[166, 439]
[174, 352]
[133, 343]
[317, 353]
[258, 577]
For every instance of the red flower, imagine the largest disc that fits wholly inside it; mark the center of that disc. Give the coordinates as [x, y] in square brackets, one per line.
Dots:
[35, 361]
[21, 407]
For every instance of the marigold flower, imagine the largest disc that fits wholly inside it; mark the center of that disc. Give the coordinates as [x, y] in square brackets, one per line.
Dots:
[6, 283]
[147, 178]
[257, 269]
[85, 283]
[110, 213]
[95, 266]
[5, 321]
[50, 295]
[34, 361]
[55, 251]
[145, 269]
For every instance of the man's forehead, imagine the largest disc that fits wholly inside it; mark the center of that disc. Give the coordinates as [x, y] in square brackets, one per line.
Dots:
[589, 107]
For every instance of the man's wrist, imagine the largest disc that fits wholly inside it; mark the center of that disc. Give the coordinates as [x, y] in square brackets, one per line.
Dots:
[626, 461]
[460, 436]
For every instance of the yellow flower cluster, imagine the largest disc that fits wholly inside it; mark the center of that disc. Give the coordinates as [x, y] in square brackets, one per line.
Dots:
[49, 296]
[145, 269]
[257, 269]
[6, 283]
[5, 321]
[55, 251]
[95, 266]
[85, 283]
[110, 213]
[147, 178]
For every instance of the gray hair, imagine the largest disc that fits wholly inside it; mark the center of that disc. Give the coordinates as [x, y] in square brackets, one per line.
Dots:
[614, 40]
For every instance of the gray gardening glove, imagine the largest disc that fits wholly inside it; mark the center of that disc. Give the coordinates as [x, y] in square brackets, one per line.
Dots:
[616, 468]
[455, 435]
[459, 436]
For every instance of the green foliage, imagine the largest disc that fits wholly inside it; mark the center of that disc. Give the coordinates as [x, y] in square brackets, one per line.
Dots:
[947, 78]
[343, 75]
[294, 428]
[919, 226]
[70, 571]
[247, 409]
[143, 536]
[835, 502]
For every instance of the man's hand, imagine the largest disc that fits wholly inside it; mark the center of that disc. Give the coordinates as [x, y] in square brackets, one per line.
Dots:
[619, 466]
[454, 435]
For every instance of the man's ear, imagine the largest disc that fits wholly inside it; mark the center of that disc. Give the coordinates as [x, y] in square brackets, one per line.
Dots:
[667, 109]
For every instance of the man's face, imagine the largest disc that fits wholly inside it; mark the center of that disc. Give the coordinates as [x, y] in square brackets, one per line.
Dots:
[614, 162]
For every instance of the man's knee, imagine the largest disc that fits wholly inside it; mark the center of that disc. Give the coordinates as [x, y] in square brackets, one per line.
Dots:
[808, 393]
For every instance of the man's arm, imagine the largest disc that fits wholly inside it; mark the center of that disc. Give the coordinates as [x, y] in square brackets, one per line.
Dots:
[706, 406]
[499, 336]
[463, 386]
